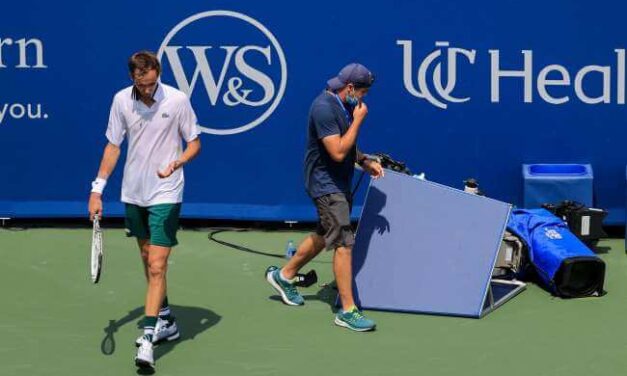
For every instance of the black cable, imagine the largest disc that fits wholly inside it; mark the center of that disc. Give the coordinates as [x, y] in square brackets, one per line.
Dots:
[246, 249]
[239, 247]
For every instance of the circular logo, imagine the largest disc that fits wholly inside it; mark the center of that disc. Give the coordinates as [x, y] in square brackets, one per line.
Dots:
[230, 65]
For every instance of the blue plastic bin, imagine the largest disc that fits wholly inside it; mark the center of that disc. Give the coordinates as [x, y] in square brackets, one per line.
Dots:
[554, 183]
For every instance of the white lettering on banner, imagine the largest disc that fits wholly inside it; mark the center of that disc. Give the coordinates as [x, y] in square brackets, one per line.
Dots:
[18, 111]
[559, 76]
[497, 74]
[225, 87]
[7, 45]
[527, 75]
[21, 54]
[543, 82]
[620, 76]
[605, 74]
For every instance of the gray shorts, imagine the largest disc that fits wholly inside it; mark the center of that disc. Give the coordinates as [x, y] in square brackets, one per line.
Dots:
[334, 222]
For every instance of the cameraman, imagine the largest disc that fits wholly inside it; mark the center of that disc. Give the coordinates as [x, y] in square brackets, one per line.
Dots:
[335, 118]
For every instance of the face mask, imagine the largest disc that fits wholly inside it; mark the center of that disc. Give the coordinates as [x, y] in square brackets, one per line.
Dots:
[352, 100]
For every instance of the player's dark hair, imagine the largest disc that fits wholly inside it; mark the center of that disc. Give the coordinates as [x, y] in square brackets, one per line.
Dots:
[142, 61]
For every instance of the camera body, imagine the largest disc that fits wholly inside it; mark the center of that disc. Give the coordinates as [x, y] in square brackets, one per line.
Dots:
[586, 223]
[391, 164]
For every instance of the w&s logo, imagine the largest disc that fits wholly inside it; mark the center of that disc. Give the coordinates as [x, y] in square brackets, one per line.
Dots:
[230, 65]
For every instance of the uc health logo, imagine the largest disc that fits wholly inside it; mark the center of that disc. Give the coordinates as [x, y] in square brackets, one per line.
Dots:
[554, 83]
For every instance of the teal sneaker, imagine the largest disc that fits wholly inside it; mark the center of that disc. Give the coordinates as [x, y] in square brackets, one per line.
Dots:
[354, 320]
[288, 292]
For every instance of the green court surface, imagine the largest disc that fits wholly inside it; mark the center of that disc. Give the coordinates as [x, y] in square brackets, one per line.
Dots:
[53, 321]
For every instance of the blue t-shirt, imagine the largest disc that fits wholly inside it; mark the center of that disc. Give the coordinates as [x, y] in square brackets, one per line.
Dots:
[323, 176]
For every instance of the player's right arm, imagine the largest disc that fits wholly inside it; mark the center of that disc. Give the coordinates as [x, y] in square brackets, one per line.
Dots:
[116, 132]
[110, 158]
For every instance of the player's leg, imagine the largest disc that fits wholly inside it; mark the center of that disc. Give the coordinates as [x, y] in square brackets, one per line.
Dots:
[137, 226]
[157, 284]
[157, 267]
[164, 312]
[144, 247]
[165, 317]
[164, 223]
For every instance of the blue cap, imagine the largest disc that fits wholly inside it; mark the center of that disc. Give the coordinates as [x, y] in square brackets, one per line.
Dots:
[353, 73]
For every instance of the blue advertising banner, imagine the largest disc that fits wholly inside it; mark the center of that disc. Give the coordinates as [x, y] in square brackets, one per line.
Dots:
[462, 89]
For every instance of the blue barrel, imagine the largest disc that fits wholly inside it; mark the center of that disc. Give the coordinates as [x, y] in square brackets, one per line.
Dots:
[554, 183]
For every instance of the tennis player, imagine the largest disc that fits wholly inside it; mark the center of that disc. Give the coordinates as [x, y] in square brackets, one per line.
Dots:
[335, 118]
[156, 119]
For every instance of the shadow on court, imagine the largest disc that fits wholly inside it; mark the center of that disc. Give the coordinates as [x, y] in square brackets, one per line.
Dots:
[326, 294]
[192, 321]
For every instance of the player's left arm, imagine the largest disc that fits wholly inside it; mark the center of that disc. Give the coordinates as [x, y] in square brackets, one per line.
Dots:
[189, 131]
[191, 151]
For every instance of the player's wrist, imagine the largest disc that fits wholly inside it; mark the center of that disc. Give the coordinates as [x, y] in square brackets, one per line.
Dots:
[98, 185]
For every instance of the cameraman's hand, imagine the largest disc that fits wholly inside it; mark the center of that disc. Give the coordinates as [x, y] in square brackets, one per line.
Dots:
[360, 111]
[373, 168]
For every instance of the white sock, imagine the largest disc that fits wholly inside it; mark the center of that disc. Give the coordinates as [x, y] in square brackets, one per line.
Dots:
[283, 278]
[149, 331]
[163, 312]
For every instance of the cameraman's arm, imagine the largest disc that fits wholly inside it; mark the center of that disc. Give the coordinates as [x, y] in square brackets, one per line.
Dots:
[361, 157]
[371, 166]
[340, 146]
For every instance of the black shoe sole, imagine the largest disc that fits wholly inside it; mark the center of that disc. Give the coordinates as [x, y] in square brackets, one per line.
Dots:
[143, 364]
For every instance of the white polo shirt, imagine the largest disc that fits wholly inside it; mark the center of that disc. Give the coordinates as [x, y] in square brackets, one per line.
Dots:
[155, 136]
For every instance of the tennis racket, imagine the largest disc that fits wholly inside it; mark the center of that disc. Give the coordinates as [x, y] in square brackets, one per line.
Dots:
[96, 251]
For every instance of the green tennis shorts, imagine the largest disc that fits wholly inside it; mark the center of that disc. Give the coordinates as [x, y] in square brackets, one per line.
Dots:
[158, 223]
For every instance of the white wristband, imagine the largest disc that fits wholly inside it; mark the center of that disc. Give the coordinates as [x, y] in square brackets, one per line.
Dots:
[98, 185]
